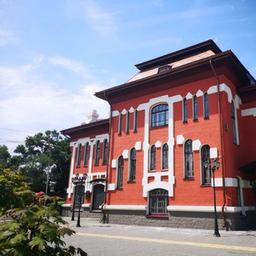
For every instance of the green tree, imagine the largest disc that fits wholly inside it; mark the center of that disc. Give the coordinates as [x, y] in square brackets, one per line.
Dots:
[34, 226]
[40, 151]
[4, 156]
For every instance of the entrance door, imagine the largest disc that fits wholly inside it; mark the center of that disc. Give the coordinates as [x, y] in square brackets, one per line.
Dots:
[98, 196]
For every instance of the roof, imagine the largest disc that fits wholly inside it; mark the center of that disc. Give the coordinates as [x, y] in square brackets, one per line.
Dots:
[86, 127]
[180, 54]
[155, 78]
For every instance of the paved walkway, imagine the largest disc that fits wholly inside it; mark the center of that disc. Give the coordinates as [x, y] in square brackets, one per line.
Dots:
[112, 239]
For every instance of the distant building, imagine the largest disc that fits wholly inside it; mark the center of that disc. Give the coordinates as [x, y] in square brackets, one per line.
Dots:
[167, 122]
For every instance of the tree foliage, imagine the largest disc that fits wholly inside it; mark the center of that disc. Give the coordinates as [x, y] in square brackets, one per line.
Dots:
[40, 151]
[34, 225]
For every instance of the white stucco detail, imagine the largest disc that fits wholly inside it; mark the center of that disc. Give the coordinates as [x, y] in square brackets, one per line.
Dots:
[225, 88]
[126, 207]
[125, 153]
[212, 89]
[115, 113]
[249, 112]
[111, 186]
[231, 182]
[131, 110]
[199, 93]
[124, 111]
[113, 163]
[70, 190]
[213, 153]
[196, 144]
[180, 139]
[192, 208]
[158, 144]
[138, 145]
[189, 96]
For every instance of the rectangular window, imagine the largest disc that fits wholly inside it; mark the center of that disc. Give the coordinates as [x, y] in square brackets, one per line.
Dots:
[127, 128]
[206, 106]
[86, 153]
[234, 123]
[120, 124]
[135, 117]
[195, 108]
[105, 152]
[78, 155]
[185, 110]
[97, 152]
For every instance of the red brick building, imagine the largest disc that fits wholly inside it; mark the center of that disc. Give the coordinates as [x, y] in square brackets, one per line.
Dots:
[149, 163]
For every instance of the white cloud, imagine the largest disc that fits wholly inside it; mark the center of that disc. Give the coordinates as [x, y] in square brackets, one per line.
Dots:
[7, 37]
[32, 102]
[69, 64]
[100, 19]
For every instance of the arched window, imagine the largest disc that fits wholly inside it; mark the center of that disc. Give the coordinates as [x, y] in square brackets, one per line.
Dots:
[86, 153]
[205, 165]
[120, 124]
[127, 127]
[206, 106]
[189, 166]
[159, 115]
[153, 157]
[165, 156]
[120, 172]
[105, 152]
[132, 171]
[195, 108]
[184, 110]
[158, 201]
[97, 152]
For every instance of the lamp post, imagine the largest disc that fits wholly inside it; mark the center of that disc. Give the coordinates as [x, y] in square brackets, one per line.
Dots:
[79, 182]
[48, 171]
[215, 166]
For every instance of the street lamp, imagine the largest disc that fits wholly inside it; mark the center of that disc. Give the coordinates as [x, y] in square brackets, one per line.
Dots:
[215, 166]
[48, 171]
[78, 182]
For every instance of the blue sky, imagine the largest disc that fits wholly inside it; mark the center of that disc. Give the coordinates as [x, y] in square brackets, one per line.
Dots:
[56, 54]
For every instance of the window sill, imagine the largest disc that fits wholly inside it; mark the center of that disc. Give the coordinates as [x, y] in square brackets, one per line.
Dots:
[152, 171]
[164, 170]
[189, 178]
[161, 216]
[184, 122]
[160, 126]
[206, 185]
[131, 181]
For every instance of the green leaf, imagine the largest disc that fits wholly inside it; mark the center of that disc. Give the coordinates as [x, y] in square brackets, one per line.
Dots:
[37, 242]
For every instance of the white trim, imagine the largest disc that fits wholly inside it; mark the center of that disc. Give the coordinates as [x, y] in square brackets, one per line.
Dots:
[86, 205]
[199, 93]
[131, 110]
[115, 113]
[113, 163]
[189, 96]
[213, 153]
[231, 182]
[158, 144]
[180, 139]
[126, 207]
[66, 205]
[241, 193]
[111, 186]
[125, 153]
[249, 112]
[192, 208]
[138, 145]
[196, 144]
[124, 111]
[71, 171]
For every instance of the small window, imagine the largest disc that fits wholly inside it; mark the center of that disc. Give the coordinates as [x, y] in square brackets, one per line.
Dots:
[135, 117]
[189, 165]
[206, 106]
[105, 152]
[158, 201]
[164, 69]
[97, 152]
[86, 153]
[132, 172]
[205, 165]
[234, 123]
[159, 115]
[195, 108]
[153, 157]
[185, 110]
[78, 155]
[120, 124]
[127, 128]
[120, 172]
[165, 156]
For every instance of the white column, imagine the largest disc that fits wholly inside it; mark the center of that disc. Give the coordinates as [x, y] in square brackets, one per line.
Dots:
[71, 171]
[91, 157]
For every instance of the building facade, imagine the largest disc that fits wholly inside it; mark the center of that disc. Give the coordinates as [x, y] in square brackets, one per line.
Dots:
[150, 162]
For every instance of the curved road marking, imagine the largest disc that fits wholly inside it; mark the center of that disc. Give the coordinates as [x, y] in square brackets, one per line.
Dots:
[175, 242]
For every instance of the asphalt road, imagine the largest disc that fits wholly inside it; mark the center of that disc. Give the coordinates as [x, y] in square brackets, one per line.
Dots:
[115, 240]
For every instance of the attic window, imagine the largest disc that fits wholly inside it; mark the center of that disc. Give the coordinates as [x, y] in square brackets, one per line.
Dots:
[164, 69]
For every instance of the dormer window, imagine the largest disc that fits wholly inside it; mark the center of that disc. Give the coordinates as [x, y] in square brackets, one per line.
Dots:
[164, 69]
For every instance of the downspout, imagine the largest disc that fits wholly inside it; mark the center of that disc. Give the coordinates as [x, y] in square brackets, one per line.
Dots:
[109, 143]
[225, 223]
